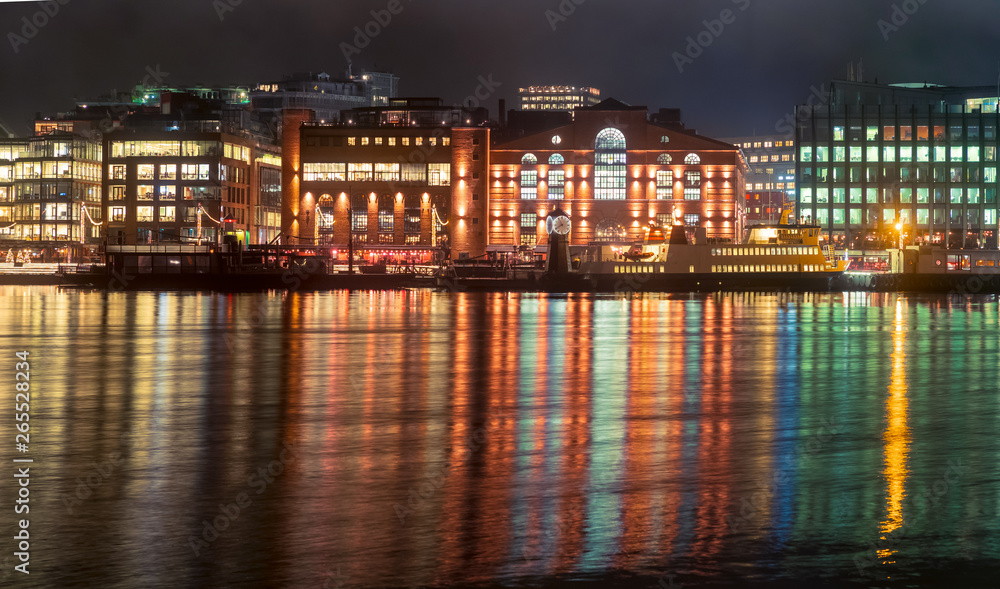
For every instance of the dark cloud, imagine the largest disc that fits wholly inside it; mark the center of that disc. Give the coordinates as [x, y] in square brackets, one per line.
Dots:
[753, 73]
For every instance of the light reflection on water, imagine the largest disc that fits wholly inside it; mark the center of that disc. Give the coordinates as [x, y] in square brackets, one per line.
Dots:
[418, 438]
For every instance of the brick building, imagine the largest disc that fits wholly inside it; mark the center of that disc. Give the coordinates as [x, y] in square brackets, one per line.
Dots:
[408, 174]
[419, 173]
[614, 171]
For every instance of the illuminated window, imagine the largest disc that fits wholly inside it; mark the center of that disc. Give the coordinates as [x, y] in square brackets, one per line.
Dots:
[391, 141]
[359, 172]
[446, 141]
[529, 228]
[556, 158]
[118, 192]
[528, 159]
[692, 158]
[145, 192]
[167, 192]
[411, 215]
[609, 168]
[359, 217]
[664, 158]
[692, 185]
[529, 184]
[386, 172]
[664, 184]
[386, 215]
[557, 183]
[144, 214]
[167, 214]
[691, 219]
[324, 172]
[352, 140]
[378, 141]
[413, 173]
[364, 141]
[439, 174]
[168, 171]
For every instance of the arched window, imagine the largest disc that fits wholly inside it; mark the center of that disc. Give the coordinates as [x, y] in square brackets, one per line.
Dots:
[609, 165]
[664, 158]
[386, 218]
[324, 208]
[609, 230]
[556, 158]
[529, 158]
[411, 219]
[692, 158]
[359, 217]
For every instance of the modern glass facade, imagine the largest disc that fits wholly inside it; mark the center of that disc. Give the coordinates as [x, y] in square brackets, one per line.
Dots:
[45, 184]
[875, 174]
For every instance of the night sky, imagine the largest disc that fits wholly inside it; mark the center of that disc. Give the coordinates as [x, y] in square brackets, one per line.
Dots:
[762, 64]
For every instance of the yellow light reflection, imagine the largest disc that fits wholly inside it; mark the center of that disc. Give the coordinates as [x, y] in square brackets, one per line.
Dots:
[897, 434]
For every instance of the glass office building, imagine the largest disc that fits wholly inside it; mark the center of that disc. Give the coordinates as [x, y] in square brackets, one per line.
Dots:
[913, 163]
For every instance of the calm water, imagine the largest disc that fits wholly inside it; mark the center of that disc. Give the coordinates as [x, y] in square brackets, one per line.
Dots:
[432, 439]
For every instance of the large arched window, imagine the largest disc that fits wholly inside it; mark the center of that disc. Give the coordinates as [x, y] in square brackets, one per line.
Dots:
[411, 219]
[529, 159]
[664, 158]
[692, 158]
[556, 158]
[359, 218]
[609, 230]
[609, 165]
[386, 218]
[324, 213]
